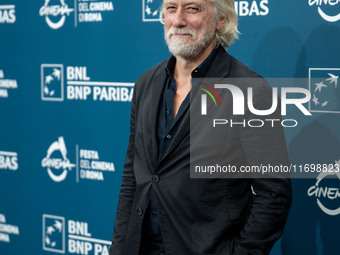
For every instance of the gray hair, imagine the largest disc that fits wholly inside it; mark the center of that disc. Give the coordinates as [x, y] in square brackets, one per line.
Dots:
[223, 9]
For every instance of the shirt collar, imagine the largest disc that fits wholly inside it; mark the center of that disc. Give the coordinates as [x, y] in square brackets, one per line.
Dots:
[171, 66]
[200, 71]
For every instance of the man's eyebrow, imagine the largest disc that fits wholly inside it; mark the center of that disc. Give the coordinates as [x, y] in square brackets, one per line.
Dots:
[185, 4]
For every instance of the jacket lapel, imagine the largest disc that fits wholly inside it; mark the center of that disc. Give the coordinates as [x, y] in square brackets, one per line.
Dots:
[157, 87]
[221, 65]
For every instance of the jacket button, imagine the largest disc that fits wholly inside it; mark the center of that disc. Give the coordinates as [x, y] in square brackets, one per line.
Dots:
[139, 211]
[155, 178]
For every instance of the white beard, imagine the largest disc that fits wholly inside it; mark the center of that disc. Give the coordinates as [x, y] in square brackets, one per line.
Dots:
[179, 47]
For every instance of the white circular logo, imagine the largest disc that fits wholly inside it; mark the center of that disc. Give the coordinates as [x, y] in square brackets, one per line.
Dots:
[329, 193]
[54, 11]
[57, 163]
[324, 3]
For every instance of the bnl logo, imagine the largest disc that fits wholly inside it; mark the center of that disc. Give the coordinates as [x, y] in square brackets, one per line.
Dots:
[53, 233]
[52, 82]
[151, 9]
[323, 85]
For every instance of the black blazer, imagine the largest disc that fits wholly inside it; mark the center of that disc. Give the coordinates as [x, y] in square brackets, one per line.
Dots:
[198, 216]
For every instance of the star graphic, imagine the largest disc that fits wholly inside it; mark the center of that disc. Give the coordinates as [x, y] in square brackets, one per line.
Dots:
[148, 10]
[324, 103]
[333, 79]
[50, 230]
[48, 79]
[46, 90]
[56, 73]
[149, 1]
[58, 225]
[155, 13]
[315, 100]
[47, 240]
[319, 86]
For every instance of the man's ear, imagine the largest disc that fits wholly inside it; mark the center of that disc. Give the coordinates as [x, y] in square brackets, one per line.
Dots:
[221, 23]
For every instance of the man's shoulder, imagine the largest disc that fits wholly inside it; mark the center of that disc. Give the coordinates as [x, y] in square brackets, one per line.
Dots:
[240, 70]
[245, 78]
[148, 75]
[225, 65]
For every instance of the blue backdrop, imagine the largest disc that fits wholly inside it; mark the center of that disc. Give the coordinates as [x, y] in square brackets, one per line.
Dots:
[67, 69]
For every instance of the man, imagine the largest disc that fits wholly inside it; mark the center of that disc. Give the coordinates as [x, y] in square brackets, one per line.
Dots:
[161, 209]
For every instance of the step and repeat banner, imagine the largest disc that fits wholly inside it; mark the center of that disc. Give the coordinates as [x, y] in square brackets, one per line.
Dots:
[67, 73]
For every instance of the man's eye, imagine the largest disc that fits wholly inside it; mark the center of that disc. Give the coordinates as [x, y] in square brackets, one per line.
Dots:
[171, 8]
[193, 10]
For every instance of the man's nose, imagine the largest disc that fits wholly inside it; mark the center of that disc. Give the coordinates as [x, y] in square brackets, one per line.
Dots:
[180, 18]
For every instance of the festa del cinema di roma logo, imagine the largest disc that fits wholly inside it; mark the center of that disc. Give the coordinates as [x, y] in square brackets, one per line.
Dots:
[89, 165]
[327, 9]
[84, 11]
[55, 15]
[60, 166]
[326, 194]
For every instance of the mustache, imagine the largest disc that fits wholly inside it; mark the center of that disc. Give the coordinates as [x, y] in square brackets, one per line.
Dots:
[180, 31]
